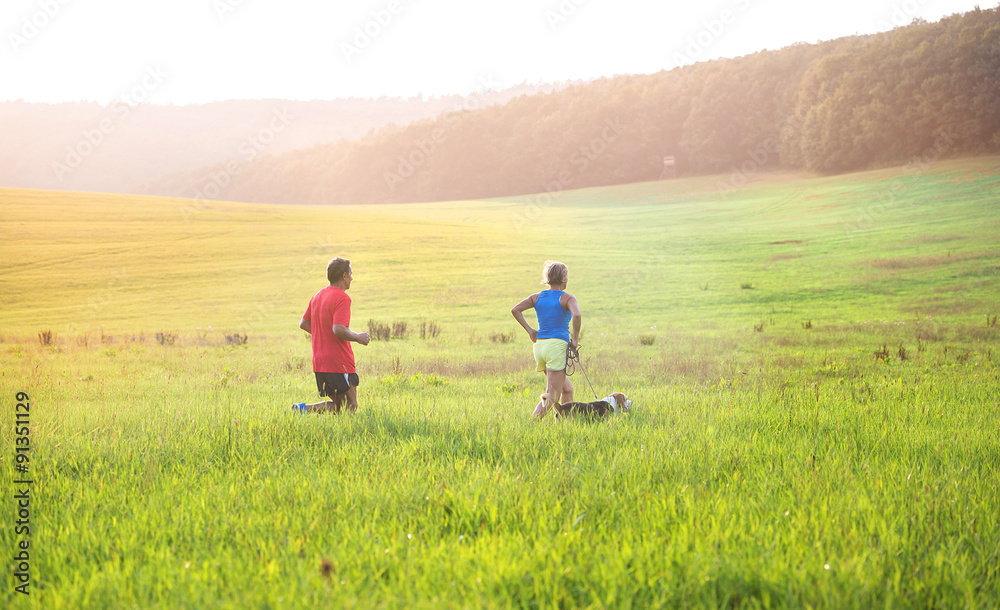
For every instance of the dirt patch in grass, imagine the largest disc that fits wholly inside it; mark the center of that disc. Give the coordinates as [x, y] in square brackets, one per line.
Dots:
[932, 239]
[783, 257]
[941, 307]
[951, 289]
[923, 262]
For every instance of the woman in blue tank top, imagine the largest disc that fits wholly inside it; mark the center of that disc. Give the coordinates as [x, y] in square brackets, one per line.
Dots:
[555, 309]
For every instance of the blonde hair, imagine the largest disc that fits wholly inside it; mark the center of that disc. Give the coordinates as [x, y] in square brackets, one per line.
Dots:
[554, 272]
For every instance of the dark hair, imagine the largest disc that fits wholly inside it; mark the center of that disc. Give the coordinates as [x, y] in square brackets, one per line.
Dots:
[336, 268]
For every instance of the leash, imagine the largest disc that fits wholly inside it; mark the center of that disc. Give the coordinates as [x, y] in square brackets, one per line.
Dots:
[572, 361]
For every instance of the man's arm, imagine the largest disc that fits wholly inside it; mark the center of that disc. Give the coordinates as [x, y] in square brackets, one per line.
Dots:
[346, 334]
[305, 325]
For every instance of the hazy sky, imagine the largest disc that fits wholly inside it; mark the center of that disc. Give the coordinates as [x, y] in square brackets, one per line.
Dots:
[190, 51]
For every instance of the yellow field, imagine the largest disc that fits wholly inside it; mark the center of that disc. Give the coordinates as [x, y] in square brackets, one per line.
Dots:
[79, 262]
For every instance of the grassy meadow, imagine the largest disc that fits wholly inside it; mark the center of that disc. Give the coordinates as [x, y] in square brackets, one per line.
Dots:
[813, 365]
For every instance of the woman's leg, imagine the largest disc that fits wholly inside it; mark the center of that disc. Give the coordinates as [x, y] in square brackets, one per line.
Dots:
[555, 384]
[567, 392]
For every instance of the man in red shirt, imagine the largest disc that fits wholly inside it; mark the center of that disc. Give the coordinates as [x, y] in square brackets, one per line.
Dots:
[328, 320]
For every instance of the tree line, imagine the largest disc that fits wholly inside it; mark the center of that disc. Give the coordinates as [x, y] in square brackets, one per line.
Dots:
[843, 105]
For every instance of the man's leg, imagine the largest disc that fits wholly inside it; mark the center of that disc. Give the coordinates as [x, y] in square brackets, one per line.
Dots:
[352, 398]
[332, 403]
[335, 397]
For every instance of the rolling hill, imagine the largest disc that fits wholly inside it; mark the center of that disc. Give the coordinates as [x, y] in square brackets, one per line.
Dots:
[921, 92]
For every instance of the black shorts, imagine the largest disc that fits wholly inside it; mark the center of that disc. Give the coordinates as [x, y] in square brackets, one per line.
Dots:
[330, 384]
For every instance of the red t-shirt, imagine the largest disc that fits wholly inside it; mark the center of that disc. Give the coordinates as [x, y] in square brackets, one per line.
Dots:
[330, 306]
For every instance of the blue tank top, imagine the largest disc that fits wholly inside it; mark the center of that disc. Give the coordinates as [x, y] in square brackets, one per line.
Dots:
[553, 318]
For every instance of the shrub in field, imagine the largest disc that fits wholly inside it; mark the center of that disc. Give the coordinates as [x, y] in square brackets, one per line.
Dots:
[297, 365]
[379, 331]
[236, 339]
[45, 337]
[759, 327]
[203, 335]
[83, 340]
[901, 354]
[807, 324]
[746, 285]
[429, 329]
[399, 329]
[166, 338]
[502, 337]
[991, 322]
[882, 354]
[647, 339]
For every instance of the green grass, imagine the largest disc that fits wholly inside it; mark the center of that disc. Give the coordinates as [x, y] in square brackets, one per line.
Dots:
[782, 467]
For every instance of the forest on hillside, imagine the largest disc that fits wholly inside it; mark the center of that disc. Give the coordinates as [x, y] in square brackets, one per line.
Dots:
[119, 147]
[926, 90]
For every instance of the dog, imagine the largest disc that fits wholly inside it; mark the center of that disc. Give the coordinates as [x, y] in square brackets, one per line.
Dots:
[610, 405]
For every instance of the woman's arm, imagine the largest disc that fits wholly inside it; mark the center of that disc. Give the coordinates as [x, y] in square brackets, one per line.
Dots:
[574, 308]
[518, 312]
